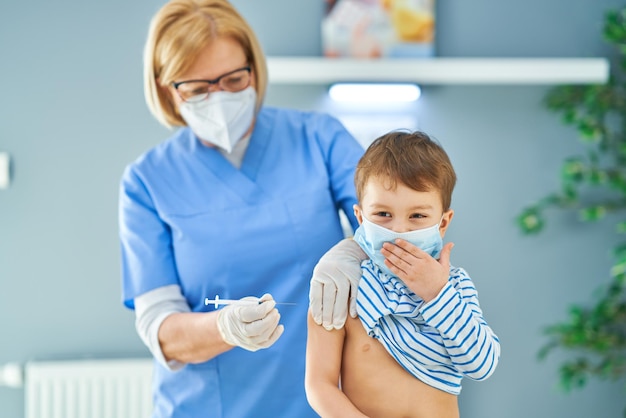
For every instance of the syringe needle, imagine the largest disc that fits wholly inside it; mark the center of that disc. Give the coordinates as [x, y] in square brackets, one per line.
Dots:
[217, 301]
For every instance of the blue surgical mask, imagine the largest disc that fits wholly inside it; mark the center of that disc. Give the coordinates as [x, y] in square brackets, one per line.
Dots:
[371, 238]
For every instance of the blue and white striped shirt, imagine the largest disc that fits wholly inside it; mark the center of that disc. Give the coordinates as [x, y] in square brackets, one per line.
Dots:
[438, 342]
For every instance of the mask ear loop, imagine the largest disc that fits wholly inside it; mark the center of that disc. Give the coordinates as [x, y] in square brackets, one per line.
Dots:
[441, 220]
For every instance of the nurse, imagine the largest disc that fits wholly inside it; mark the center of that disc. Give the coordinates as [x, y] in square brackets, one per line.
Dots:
[241, 201]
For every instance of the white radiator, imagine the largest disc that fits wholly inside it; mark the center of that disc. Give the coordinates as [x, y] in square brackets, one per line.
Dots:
[118, 388]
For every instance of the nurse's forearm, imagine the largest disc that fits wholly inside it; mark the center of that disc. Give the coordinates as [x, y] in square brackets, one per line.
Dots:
[191, 337]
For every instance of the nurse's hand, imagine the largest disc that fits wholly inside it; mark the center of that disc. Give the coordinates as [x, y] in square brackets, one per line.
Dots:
[251, 327]
[335, 280]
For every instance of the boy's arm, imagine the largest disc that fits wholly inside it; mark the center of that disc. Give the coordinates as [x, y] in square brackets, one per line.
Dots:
[323, 365]
[455, 312]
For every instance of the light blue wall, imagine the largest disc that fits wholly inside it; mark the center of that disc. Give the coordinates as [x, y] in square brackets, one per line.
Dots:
[72, 116]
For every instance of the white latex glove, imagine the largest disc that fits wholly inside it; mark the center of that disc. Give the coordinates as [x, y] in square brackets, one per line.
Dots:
[335, 279]
[253, 326]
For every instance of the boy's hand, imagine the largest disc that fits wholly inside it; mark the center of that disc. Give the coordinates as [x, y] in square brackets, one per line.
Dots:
[423, 274]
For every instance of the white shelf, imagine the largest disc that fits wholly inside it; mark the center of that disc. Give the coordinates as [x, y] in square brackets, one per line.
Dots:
[319, 70]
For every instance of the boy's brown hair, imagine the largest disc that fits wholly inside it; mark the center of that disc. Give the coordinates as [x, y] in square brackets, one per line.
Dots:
[411, 158]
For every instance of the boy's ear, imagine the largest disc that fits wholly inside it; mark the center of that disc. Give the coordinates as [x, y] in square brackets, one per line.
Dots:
[445, 222]
[358, 213]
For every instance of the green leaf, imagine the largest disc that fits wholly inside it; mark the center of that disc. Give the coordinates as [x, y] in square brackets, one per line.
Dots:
[568, 196]
[570, 116]
[589, 132]
[565, 99]
[573, 170]
[619, 252]
[598, 177]
[546, 349]
[614, 27]
[530, 221]
[592, 214]
[573, 375]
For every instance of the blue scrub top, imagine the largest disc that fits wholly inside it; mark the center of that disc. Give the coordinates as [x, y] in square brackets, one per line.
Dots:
[188, 217]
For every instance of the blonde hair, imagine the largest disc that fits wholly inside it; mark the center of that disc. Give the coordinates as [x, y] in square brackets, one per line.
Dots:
[177, 34]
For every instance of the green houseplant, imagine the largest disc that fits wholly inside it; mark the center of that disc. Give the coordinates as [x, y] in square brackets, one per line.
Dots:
[594, 185]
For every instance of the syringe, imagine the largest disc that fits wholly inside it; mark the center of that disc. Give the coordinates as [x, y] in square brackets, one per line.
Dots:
[217, 301]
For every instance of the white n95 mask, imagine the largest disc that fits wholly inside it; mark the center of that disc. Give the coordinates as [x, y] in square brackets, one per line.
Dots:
[223, 118]
[371, 238]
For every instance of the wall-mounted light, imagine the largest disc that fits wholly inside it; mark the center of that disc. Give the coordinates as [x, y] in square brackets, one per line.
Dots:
[374, 92]
[5, 170]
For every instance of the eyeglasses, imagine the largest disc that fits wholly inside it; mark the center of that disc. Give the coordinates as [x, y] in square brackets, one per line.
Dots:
[193, 91]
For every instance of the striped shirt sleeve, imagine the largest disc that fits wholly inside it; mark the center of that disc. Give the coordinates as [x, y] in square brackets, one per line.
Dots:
[455, 313]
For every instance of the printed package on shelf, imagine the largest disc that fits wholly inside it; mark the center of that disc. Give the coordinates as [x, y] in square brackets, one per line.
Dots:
[378, 28]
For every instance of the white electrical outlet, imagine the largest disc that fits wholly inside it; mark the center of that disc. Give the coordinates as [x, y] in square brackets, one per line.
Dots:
[5, 173]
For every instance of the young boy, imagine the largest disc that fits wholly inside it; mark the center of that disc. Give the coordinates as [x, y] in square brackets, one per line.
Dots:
[419, 328]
